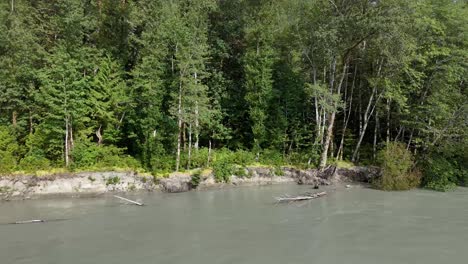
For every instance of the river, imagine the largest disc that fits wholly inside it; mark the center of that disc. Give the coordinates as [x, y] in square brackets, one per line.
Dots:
[241, 225]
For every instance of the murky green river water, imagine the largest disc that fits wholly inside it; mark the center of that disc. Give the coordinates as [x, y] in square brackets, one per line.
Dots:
[241, 225]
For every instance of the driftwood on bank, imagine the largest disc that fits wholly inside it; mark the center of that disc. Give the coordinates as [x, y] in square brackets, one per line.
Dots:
[128, 200]
[302, 197]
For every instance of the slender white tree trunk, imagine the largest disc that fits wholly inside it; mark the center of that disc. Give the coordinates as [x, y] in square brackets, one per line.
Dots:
[209, 154]
[197, 119]
[324, 124]
[367, 114]
[189, 158]
[376, 131]
[67, 146]
[99, 135]
[388, 120]
[324, 156]
[179, 125]
[347, 115]
[410, 139]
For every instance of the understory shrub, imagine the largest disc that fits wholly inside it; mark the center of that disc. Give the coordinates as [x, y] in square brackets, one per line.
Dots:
[91, 156]
[222, 169]
[240, 171]
[195, 178]
[272, 157]
[398, 172]
[7, 162]
[8, 150]
[304, 159]
[162, 164]
[441, 174]
[199, 158]
[33, 163]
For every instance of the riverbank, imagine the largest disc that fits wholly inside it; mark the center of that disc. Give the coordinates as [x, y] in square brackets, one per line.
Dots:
[96, 183]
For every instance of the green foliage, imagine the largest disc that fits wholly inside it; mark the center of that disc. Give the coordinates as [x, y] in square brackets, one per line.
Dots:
[162, 164]
[112, 180]
[240, 171]
[93, 85]
[198, 159]
[272, 157]
[241, 157]
[195, 178]
[33, 163]
[442, 174]
[7, 162]
[8, 150]
[398, 172]
[89, 156]
[223, 170]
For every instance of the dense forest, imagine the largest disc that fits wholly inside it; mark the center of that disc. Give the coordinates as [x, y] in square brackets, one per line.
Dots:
[166, 85]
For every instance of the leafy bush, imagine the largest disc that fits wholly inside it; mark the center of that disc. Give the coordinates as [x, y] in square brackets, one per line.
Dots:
[272, 157]
[222, 169]
[240, 171]
[87, 155]
[440, 174]
[199, 158]
[32, 163]
[242, 157]
[397, 168]
[113, 180]
[278, 171]
[304, 159]
[162, 164]
[196, 178]
[7, 162]
[8, 150]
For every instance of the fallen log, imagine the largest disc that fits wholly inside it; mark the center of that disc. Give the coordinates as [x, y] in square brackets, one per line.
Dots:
[34, 221]
[307, 196]
[128, 200]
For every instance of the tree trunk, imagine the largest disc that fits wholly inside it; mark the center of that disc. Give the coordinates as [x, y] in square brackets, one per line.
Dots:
[331, 121]
[388, 120]
[67, 146]
[72, 143]
[14, 118]
[197, 120]
[99, 135]
[179, 125]
[401, 129]
[209, 153]
[339, 155]
[121, 120]
[367, 115]
[324, 156]
[410, 139]
[184, 136]
[359, 110]
[376, 130]
[189, 158]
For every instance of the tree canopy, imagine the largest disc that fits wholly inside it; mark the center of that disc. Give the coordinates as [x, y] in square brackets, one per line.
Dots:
[157, 82]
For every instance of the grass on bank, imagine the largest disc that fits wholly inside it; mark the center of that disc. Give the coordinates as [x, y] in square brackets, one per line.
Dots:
[399, 168]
